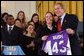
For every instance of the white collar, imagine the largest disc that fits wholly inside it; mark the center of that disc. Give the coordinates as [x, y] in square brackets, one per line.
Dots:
[63, 15]
[10, 26]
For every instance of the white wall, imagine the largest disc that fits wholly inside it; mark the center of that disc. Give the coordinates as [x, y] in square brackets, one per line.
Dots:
[13, 7]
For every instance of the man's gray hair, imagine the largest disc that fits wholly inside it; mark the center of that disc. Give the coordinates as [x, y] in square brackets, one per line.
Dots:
[62, 6]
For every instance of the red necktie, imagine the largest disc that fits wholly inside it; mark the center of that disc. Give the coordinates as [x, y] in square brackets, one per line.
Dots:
[59, 25]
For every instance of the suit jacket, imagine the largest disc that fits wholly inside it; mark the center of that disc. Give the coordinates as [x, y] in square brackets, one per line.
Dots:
[71, 21]
[15, 38]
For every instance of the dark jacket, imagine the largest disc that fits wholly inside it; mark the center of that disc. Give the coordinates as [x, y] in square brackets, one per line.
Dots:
[15, 38]
[71, 21]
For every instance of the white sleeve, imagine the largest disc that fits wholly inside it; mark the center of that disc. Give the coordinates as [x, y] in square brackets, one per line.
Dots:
[69, 48]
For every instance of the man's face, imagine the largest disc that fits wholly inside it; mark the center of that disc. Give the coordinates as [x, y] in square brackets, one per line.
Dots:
[10, 21]
[59, 10]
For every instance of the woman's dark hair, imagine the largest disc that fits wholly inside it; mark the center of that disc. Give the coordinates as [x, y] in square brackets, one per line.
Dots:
[37, 23]
[3, 14]
[28, 26]
[23, 20]
[54, 23]
[2, 21]
[35, 14]
[29, 22]
[17, 20]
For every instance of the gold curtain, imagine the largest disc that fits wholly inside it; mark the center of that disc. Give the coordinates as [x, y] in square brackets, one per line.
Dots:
[73, 7]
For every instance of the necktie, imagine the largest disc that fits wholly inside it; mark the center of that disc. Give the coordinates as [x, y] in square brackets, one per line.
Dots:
[10, 30]
[59, 25]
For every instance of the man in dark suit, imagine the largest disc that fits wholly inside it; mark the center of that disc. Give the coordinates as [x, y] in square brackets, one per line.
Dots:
[10, 34]
[69, 23]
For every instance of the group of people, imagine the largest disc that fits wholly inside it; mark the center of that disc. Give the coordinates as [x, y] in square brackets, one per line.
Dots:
[28, 36]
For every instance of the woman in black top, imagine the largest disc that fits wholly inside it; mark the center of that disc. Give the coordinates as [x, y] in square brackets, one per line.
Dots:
[43, 32]
[29, 36]
[21, 16]
[35, 19]
[49, 28]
